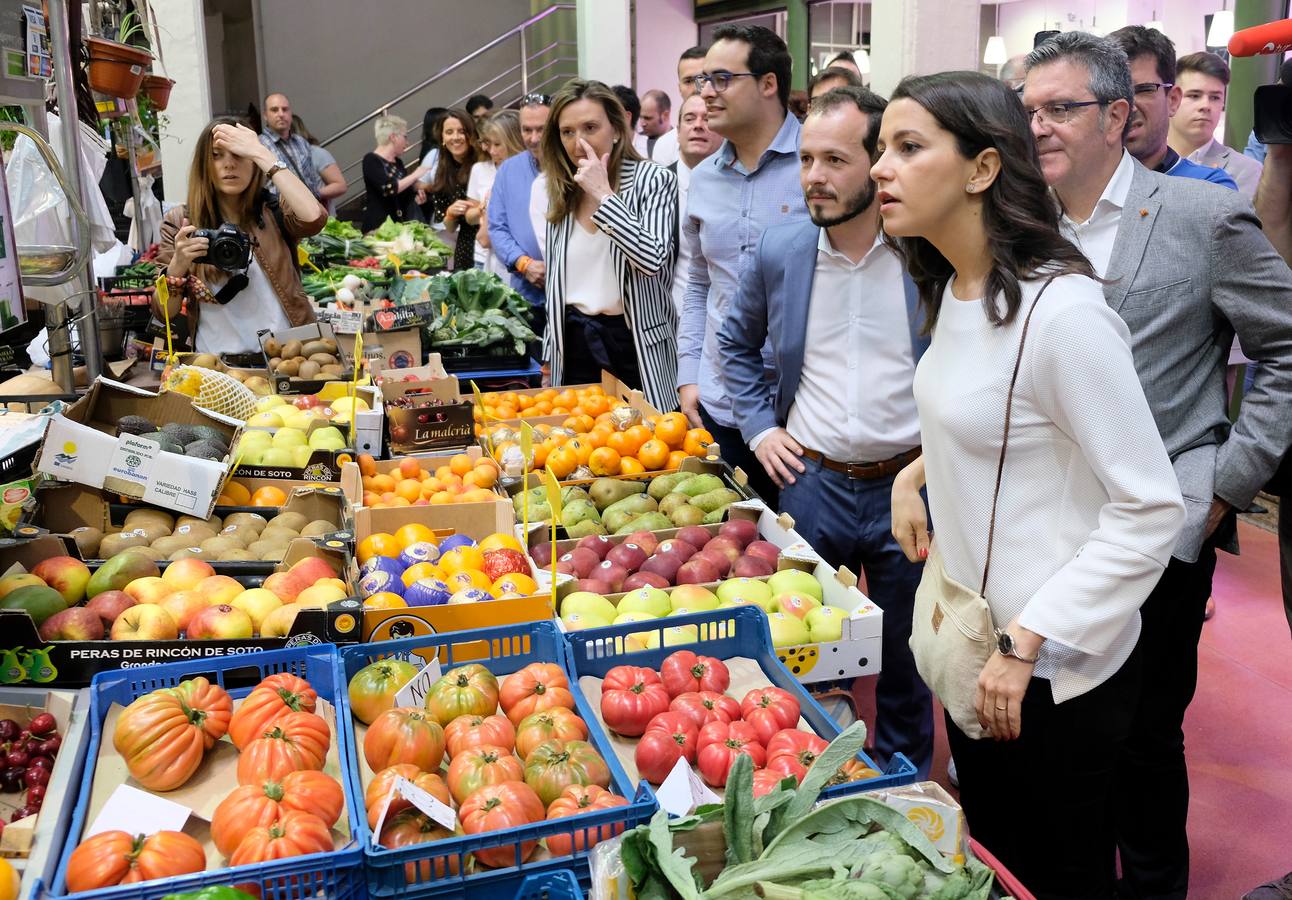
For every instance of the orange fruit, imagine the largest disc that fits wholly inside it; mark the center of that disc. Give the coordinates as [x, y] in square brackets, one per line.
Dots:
[604, 461]
[565, 398]
[441, 497]
[443, 472]
[582, 449]
[225, 500]
[675, 458]
[639, 434]
[385, 600]
[653, 454]
[378, 544]
[697, 442]
[412, 533]
[469, 479]
[367, 465]
[469, 578]
[409, 467]
[500, 541]
[461, 559]
[630, 466]
[486, 474]
[477, 495]
[562, 461]
[382, 484]
[418, 571]
[515, 583]
[238, 493]
[371, 499]
[580, 423]
[409, 489]
[461, 464]
[269, 496]
[621, 443]
[671, 429]
[401, 501]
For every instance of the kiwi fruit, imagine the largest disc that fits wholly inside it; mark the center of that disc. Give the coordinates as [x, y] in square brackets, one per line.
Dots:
[292, 521]
[172, 542]
[291, 349]
[246, 518]
[195, 532]
[274, 363]
[151, 552]
[327, 376]
[323, 359]
[272, 347]
[112, 544]
[288, 367]
[318, 528]
[151, 531]
[240, 555]
[139, 516]
[214, 522]
[285, 535]
[262, 548]
[308, 370]
[87, 541]
[320, 346]
[134, 425]
[186, 553]
[336, 371]
[213, 547]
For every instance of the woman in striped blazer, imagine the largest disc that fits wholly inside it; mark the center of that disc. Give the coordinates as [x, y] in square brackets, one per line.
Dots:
[609, 251]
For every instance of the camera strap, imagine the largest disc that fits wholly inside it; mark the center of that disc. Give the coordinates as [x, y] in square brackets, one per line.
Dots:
[231, 288]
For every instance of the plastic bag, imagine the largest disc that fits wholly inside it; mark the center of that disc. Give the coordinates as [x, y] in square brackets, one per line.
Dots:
[609, 879]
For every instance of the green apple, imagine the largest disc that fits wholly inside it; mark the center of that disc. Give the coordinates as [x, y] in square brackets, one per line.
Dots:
[742, 591]
[673, 636]
[795, 581]
[267, 419]
[627, 618]
[787, 630]
[264, 404]
[301, 456]
[825, 624]
[649, 600]
[588, 605]
[693, 597]
[251, 456]
[795, 604]
[581, 621]
[328, 438]
[279, 457]
[289, 437]
[257, 439]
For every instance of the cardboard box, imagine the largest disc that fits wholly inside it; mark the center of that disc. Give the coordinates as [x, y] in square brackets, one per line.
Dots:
[437, 419]
[27, 659]
[322, 466]
[400, 349]
[283, 384]
[82, 445]
[611, 385]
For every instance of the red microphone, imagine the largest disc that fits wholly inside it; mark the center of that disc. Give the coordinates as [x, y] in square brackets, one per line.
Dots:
[1272, 37]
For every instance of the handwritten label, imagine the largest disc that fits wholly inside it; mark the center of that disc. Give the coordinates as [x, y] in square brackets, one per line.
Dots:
[414, 693]
[439, 813]
[138, 812]
[683, 791]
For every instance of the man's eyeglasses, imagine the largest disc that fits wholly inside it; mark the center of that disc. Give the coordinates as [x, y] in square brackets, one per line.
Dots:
[720, 80]
[1151, 87]
[535, 100]
[1059, 113]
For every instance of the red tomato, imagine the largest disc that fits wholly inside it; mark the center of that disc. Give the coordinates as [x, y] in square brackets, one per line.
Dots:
[765, 781]
[684, 672]
[718, 746]
[706, 706]
[404, 735]
[792, 752]
[630, 697]
[769, 710]
[581, 798]
[536, 687]
[466, 732]
[496, 807]
[668, 737]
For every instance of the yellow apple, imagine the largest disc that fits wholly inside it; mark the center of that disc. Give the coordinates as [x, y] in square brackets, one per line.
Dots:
[257, 603]
[264, 404]
[279, 622]
[321, 594]
[267, 419]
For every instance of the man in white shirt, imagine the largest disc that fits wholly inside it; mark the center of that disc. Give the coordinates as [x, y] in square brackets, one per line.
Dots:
[661, 136]
[1187, 268]
[695, 143]
[1203, 80]
[840, 421]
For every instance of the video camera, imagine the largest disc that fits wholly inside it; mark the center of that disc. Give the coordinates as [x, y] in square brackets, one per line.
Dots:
[1273, 102]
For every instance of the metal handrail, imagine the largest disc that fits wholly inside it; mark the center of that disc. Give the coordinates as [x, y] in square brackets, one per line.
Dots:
[517, 30]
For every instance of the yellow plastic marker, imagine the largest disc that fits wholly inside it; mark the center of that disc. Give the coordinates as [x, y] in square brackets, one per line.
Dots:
[395, 261]
[553, 501]
[304, 259]
[162, 289]
[354, 383]
[527, 454]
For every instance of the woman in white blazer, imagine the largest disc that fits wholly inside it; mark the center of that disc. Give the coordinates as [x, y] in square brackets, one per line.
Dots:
[609, 250]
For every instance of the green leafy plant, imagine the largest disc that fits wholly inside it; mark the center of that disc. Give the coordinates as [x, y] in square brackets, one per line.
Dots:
[131, 30]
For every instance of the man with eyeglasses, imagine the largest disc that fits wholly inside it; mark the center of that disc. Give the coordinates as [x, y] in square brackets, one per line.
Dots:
[1157, 98]
[751, 183]
[689, 65]
[510, 230]
[1187, 267]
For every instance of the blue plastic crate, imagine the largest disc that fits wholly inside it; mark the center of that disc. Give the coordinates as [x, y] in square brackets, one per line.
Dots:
[337, 874]
[723, 634]
[559, 884]
[409, 871]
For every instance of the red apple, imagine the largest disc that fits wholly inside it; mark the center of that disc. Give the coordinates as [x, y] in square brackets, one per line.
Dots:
[597, 543]
[665, 565]
[717, 558]
[645, 579]
[629, 555]
[766, 550]
[611, 573]
[223, 622]
[312, 569]
[183, 606]
[695, 535]
[594, 586]
[65, 574]
[145, 622]
[541, 553]
[697, 571]
[751, 567]
[728, 546]
[646, 540]
[582, 559]
[284, 585]
[110, 604]
[681, 549]
[744, 530]
[76, 624]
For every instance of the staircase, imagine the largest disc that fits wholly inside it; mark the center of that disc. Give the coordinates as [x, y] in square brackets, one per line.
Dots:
[535, 56]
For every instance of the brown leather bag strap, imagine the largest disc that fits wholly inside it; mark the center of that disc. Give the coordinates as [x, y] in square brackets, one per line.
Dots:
[1004, 444]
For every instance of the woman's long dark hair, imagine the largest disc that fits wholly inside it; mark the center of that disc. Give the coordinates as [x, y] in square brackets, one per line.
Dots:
[1019, 215]
[449, 173]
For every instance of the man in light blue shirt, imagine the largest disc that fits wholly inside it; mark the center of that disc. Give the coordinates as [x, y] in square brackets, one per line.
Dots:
[510, 232]
[752, 182]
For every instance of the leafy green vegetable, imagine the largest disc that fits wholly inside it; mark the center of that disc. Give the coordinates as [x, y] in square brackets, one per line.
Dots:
[343, 230]
[739, 811]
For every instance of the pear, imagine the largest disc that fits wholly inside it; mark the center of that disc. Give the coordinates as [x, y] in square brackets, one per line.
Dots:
[711, 500]
[687, 514]
[663, 485]
[672, 502]
[627, 509]
[606, 492]
[585, 528]
[699, 484]
[578, 511]
[716, 516]
[651, 521]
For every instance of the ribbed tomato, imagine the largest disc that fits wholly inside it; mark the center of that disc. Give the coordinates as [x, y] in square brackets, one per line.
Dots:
[372, 689]
[630, 697]
[115, 857]
[581, 798]
[466, 732]
[853, 770]
[408, 827]
[296, 741]
[383, 781]
[685, 672]
[276, 696]
[294, 834]
[472, 769]
[718, 746]
[792, 752]
[467, 690]
[557, 723]
[162, 735]
[404, 735]
[706, 706]
[555, 765]
[769, 710]
[255, 805]
[496, 807]
[765, 781]
[536, 687]
[669, 737]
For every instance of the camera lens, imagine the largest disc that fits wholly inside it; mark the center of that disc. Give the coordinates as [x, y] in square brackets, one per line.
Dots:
[226, 253]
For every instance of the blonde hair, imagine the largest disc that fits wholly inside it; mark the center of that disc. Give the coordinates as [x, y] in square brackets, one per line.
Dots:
[504, 128]
[387, 127]
[562, 191]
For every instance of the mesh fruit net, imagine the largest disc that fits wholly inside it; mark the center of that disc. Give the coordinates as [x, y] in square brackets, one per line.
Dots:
[214, 391]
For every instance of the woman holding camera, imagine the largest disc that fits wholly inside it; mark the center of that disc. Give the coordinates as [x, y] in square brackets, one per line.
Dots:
[226, 290]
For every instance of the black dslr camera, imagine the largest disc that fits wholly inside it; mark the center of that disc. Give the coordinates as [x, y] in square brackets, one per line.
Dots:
[1274, 114]
[228, 248]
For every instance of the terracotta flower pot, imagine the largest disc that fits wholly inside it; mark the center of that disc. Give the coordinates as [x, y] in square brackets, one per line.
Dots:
[116, 70]
[157, 88]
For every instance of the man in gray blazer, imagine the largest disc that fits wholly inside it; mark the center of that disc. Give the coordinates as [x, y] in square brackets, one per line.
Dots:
[1188, 268]
[1203, 81]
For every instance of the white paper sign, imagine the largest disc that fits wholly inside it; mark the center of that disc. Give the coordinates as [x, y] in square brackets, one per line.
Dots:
[414, 693]
[439, 813]
[683, 791]
[138, 812]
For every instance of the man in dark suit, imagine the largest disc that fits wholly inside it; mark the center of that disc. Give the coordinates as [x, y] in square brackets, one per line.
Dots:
[840, 421]
[1187, 268]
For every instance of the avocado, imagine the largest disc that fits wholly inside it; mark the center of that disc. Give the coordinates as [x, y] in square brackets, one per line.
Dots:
[167, 443]
[134, 425]
[179, 434]
[206, 450]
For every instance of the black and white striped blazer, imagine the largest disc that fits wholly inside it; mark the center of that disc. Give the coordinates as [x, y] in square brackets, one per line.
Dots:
[641, 221]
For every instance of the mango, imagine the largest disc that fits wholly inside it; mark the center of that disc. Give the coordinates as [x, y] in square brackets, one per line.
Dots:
[119, 571]
[40, 601]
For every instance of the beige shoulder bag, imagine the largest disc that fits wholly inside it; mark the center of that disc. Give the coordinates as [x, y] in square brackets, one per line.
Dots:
[952, 633]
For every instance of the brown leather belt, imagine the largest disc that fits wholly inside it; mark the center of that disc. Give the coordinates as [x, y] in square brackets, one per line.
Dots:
[866, 470]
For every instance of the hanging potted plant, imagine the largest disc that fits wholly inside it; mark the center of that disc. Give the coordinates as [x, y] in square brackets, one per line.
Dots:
[117, 67]
[157, 89]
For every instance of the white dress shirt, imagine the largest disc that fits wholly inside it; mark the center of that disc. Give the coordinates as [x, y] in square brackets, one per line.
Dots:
[665, 149]
[591, 283]
[1089, 506]
[538, 208]
[854, 401]
[1095, 236]
[682, 268]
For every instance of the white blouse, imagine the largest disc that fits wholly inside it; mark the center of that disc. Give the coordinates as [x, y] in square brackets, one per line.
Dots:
[232, 327]
[1089, 506]
[592, 285]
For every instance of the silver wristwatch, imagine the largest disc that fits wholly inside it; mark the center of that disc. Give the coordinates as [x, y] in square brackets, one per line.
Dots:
[274, 170]
[1005, 646]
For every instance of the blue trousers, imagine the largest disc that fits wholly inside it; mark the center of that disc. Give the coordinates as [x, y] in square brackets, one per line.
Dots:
[849, 523]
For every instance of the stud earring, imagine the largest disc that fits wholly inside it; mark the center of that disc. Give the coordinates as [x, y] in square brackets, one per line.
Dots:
[970, 188]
